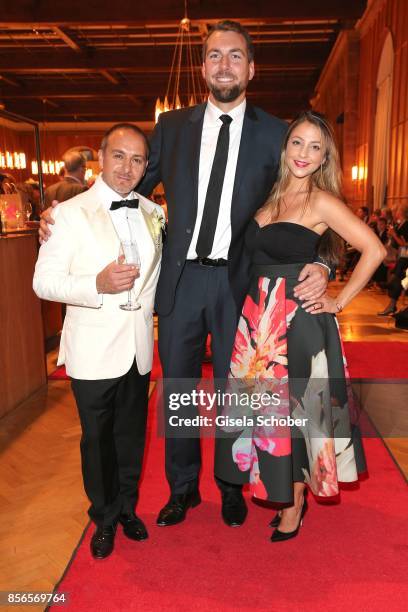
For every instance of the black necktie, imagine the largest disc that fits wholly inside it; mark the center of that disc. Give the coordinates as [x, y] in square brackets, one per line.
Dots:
[125, 204]
[212, 199]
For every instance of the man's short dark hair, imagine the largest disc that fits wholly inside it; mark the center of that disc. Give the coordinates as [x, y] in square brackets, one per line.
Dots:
[231, 26]
[125, 126]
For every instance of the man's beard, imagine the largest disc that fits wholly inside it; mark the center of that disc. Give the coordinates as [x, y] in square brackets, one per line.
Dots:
[226, 94]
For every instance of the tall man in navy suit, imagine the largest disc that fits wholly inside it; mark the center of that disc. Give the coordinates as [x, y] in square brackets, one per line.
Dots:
[217, 162]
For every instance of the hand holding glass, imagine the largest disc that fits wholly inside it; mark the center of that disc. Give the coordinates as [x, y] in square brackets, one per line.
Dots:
[132, 256]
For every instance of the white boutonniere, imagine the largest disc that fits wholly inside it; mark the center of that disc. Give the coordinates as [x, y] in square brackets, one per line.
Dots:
[158, 228]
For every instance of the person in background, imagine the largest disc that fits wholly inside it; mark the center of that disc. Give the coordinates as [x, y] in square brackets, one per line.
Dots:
[351, 255]
[31, 189]
[73, 181]
[380, 275]
[382, 230]
[375, 215]
[7, 183]
[388, 214]
[399, 239]
[363, 213]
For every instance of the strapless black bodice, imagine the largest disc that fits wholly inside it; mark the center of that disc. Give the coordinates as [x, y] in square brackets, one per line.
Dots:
[281, 243]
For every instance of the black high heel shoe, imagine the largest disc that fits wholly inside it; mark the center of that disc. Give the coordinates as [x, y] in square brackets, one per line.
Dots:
[281, 536]
[277, 518]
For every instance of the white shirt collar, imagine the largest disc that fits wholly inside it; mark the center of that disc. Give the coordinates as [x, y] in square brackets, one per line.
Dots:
[108, 195]
[213, 113]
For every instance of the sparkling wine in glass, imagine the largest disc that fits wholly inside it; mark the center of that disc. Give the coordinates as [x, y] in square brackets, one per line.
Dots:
[18, 217]
[132, 256]
[28, 211]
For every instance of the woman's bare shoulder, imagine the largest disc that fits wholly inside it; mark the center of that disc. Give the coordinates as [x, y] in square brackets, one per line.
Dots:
[321, 201]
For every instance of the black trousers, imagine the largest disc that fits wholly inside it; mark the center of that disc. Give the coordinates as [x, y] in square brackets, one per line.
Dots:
[204, 304]
[113, 415]
[394, 286]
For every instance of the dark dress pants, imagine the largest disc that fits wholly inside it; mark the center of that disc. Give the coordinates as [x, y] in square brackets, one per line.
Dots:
[113, 414]
[394, 286]
[204, 304]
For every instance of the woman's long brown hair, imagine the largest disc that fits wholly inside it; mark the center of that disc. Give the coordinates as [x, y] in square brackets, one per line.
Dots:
[326, 178]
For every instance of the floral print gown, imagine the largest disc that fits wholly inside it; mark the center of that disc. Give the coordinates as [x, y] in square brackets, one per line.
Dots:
[281, 349]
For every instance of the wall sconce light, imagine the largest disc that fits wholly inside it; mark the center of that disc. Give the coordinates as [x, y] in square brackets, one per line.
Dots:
[358, 173]
[50, 167]
[14, 160]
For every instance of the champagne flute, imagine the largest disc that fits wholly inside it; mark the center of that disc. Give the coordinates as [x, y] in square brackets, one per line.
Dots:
[131, 252]
[17, 215]
[28, 211]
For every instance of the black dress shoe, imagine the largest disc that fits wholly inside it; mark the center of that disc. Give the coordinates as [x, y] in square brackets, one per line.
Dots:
[234, 508]
[387, 312]
[133, 527]
[103, 541]
[176, 508]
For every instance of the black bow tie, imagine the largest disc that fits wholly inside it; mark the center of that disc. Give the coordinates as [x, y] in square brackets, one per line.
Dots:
[125, 204]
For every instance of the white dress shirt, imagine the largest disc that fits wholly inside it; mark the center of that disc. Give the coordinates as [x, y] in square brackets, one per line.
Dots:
[211, 128]
[126, 221]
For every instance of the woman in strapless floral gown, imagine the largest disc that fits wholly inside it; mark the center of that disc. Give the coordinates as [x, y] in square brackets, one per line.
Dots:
[304, 429]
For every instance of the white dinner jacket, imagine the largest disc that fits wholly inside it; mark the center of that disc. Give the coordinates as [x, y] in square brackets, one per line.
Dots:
[99, 340]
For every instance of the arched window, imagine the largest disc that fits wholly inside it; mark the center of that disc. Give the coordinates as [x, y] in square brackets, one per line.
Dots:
[382, 129]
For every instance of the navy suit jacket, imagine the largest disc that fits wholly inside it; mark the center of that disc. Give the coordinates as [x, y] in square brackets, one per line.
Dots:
[174, 160]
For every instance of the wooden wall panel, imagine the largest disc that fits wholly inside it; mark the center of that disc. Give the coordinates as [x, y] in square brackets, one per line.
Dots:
[22, 142]
[381, 17]
[22, 360]
[337, 99]
[53, 146]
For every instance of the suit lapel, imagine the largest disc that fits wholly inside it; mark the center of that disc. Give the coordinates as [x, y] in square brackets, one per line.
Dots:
[106, 239]
[150, 255]
[246, 148]
[195, 130]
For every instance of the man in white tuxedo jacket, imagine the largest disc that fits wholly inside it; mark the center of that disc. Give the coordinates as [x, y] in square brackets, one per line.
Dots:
[107, 350]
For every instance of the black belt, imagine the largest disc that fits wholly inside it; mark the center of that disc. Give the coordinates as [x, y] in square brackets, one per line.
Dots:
[205, 261]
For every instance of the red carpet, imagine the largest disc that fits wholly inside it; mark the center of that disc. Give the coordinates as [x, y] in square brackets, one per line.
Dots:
[377, 359]
[366, 360]
[350, 556]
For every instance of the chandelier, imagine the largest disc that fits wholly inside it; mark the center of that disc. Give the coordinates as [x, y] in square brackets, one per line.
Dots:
[185, 86]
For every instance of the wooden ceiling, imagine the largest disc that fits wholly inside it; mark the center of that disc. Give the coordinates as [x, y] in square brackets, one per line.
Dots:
[99, 60]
